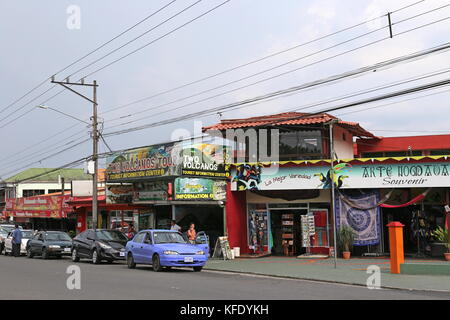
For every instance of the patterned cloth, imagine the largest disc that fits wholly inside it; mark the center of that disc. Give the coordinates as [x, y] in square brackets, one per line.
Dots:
[366, 223]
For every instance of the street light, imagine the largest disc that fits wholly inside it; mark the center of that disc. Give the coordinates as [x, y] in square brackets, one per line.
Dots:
[66, 114]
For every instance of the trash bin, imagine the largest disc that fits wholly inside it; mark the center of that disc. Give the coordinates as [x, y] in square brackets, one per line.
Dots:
[237, 251]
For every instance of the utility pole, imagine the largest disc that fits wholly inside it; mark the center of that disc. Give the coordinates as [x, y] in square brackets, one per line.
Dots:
[332, 192]
[95, 135]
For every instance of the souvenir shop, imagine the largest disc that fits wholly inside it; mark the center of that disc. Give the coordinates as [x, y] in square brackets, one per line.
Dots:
[287, 211]
[289, 228]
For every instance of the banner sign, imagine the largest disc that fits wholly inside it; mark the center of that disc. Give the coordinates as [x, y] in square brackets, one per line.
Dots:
[39, 207]
[343, 175]
[199, 189]
[119, 193]
[151, 191]
[168, 160]
[147, 162]
[207, 160]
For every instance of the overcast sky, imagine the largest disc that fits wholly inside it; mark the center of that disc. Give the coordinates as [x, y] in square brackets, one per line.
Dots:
[39, 38]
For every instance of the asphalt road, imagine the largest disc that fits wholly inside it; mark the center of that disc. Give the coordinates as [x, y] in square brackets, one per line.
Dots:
[23, 278]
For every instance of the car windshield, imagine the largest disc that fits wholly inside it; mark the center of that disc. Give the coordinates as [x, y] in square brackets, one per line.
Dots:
[111, 235]
[57, 236]
[27, 234]
[168, 237]
[8, 228]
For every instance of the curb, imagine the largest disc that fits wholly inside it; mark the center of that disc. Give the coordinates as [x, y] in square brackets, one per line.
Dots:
[326, 281]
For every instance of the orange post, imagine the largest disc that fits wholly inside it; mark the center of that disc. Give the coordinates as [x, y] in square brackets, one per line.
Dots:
[396, 245]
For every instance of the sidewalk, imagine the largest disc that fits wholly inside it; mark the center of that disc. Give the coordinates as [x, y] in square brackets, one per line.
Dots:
[351, 271]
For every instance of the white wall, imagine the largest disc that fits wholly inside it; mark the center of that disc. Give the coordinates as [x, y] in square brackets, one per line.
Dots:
[343, 149]
[45, 186]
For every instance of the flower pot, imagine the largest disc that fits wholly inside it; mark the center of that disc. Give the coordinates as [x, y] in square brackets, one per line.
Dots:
[447, 256]
[346, 255]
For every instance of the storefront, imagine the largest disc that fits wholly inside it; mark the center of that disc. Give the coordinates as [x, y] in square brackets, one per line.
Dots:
[285, 210]
[174, 181]
[42, 212]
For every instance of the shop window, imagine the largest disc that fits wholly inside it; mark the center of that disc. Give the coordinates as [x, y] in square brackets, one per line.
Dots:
[301, 145]
[372, 154]
[396, 154]
[443, 152]
[32, 192]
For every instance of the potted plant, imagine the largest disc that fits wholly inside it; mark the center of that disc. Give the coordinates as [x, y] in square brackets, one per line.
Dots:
[441, 235]
[346, 237]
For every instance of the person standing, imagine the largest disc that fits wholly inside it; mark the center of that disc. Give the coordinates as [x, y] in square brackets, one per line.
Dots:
[174, 226]
[191, 233]
[16, 241]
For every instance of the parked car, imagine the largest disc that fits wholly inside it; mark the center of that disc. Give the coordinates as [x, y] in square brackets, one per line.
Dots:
[3, 235]
[49, 243]
[166, 248]
[9, 227]
[98, 245]
[26, 236]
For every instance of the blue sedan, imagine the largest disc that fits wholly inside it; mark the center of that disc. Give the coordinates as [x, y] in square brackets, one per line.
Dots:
[165, 248]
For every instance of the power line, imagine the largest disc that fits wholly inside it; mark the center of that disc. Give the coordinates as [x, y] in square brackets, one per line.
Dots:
[258, 60]
[157, 39]
[140, 48]
[88, 54]
[265, 79]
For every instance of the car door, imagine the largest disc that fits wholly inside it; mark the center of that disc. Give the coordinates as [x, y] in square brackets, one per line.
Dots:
[136, 247]
[202, 241]
[147, 248]
[82, 245]
[37, 243]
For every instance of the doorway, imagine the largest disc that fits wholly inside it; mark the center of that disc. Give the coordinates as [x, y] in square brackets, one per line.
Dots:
[286, 231]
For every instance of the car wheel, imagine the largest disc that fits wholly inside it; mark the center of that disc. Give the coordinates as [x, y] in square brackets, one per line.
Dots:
[130, 262]
[156, 263]
[58, 256]
[44, 253]
[197, 269]
[29, 253]
[95, 257]
[75, 257]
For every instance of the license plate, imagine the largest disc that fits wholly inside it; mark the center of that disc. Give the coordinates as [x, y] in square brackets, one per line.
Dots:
[188, 259]
[66, 249]
[122, 254]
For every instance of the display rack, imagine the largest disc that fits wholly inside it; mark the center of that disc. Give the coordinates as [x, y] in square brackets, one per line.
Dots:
[287, 234]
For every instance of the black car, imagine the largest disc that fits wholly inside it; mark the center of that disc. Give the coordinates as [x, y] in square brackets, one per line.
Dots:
[49, 243]
[98, 245]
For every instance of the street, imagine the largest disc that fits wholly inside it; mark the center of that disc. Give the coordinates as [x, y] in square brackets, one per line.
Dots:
[23, 278]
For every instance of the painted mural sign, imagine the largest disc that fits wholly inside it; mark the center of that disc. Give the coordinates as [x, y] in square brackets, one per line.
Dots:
[207, 160]
[343, 176]
[168, 160]
[147, 162]
[199, 189]
[119, 193]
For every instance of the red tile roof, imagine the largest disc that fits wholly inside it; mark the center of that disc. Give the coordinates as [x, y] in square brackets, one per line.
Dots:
[430, 142]
[289, 118]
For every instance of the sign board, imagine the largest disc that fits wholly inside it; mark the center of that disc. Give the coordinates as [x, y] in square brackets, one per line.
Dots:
[151, 191]
[343, 175]
[119, 193]
[142, 163]
[200, 189]
[38, 207]
[168, 160]
[222, 249]
[82, 188]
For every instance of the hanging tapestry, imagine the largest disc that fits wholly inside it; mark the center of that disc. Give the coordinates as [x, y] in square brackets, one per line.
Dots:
[365, 222]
